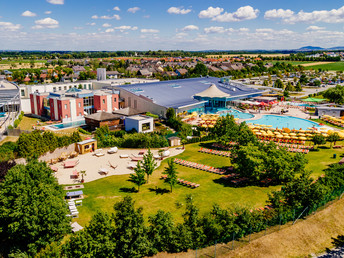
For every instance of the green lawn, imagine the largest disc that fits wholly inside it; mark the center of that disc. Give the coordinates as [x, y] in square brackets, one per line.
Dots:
[24, 61]
[103, 193]
[337, 66]
[291, 62]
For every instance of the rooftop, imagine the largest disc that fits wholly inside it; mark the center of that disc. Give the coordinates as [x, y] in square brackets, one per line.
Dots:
[103, 116]
[139, 117]
[178, 93]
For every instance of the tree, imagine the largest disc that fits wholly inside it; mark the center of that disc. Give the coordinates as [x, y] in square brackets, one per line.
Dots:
[170, 114]
[286, 94]
[98, 238]
[139, 177]
[289, 87]
[303, 79]
[200, 69]
[130, 231]
[318, 139]
[333, 138]
[298, 87]
[161, 231]
[279, 84]
[148, 164]
[171, 173]
[265, 83]
[37, 200]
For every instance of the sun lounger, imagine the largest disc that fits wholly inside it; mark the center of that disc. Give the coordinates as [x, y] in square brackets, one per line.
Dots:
[54, 168]
[112, 150]
[103, 171]
[75, 174]
[71, 163]
[132, 165]
[113, 166]
[123, 156]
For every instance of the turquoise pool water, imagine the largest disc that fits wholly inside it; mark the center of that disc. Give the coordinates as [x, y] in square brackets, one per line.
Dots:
[284, 121]
[301, 104]
[68, 125]
[230, 111]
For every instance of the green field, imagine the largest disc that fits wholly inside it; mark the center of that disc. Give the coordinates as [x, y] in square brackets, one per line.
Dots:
[103, 193]
[290, 62]
[337, 66]
[24, 61]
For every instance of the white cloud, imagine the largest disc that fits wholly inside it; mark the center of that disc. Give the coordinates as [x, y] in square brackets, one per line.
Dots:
[28, 14]
[47, 23]
[190, 27]
[280, 13]
[109, 30]
[107, 17]
[125, 28]
[178, 10]
[210, 12]
[106, 25]
[314, 28]
[91, 23]
[9, 26]
[149, 31]
[116, 8]
[244, 30]
[327, 16]
[214, 29]
[133, 9]
[78, 28]
[47, 12]
[146, 16]
[264, 30]
[243, 13]
[55, 1]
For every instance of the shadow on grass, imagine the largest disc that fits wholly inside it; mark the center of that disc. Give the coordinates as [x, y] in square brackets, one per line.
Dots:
[159, 190]
[128, 190]
[339, 241]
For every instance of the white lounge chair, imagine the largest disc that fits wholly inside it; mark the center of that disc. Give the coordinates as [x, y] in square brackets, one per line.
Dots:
[112, 150]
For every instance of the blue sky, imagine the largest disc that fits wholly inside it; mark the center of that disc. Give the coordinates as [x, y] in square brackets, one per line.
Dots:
[166, 24]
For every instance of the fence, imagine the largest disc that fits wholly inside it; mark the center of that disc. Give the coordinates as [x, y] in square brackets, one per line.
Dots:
[270, 225]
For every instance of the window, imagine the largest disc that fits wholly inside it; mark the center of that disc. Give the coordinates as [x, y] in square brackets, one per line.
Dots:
[22, 92]
[65, 87]
[65, 106]
[103, 101]
[85, 86]
[114, 99]
[79, 104]
[145, 127]
[66, 116]
[80, 114]
[54, 89]
[88, 101]
[60, 88]
[70, 86]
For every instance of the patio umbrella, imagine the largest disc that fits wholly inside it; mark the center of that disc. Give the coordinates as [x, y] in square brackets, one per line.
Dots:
[292, 134]
[308, 134]
[301, 134]
[279, 136]
[211, 126]
[285, 134]
[286, 137]
[303, 138]
[269, 126]
[258, 133]
[325, 134]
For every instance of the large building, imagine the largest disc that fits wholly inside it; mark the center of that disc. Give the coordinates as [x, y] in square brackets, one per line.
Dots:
[73, 104]
[9, 104]
[196, 94]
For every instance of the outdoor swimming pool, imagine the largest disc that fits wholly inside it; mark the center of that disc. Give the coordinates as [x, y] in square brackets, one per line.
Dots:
[230, 111]
[68, 125]
[284, 121]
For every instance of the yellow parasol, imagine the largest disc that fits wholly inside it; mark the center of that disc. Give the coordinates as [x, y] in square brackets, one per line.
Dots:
[303, 138]
[286, 137]
[211, 126]
[292, 134]
[279, 136]
[258, 133]
[301, 134]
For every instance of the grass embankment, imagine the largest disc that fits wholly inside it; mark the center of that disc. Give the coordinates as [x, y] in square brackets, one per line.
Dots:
[104, 193]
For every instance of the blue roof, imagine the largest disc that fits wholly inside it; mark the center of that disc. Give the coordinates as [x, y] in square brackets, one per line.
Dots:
[178, 93]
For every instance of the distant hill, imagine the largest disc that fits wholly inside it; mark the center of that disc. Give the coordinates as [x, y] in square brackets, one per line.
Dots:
[310, 48]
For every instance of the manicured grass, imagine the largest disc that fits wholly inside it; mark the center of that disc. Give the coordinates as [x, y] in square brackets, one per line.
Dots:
[27, 123]
[25, 61]
[337, 66]
[328, 124]
[9, 139]
[104, 193]
[291, 62]
[319, 160]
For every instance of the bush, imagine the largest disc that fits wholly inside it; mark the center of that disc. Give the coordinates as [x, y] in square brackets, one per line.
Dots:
[152, 115]
[83, 131]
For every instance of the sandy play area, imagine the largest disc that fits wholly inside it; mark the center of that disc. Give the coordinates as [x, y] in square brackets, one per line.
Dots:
[94, 165]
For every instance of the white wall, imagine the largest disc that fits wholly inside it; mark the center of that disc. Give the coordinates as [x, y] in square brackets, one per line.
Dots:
[25, 105]
[56, 110]
[73, 114]
[109, 103]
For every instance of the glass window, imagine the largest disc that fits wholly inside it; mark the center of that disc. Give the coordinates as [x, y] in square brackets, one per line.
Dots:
[60, 88]
[54, 89]
[114, 99]
[103, 101]
[22, 92]
[79, 104]
[65, 106]
[145, 126]
[65, 87]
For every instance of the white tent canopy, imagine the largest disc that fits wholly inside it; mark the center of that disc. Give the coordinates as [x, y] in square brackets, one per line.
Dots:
[213, 92]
